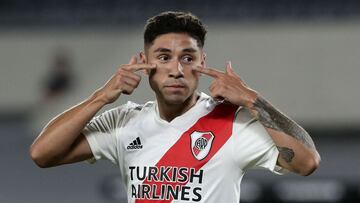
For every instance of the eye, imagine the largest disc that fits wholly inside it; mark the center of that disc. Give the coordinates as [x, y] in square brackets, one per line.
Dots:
[163, 58]
[187, 59]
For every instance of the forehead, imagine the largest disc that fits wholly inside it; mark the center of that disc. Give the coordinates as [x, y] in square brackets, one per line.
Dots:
[174, 42]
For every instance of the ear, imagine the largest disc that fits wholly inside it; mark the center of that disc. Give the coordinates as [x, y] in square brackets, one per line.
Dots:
[143, 59]
[203, 59]
[202, 62]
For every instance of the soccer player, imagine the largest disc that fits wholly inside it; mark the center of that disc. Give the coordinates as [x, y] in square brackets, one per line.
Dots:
[186, 146]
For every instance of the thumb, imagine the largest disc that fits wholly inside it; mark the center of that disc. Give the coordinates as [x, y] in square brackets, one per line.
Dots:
[229, 70]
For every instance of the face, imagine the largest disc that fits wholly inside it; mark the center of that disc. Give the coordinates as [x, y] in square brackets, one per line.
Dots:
[175, 54]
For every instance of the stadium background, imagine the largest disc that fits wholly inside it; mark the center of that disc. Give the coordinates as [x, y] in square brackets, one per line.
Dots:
[303, 55]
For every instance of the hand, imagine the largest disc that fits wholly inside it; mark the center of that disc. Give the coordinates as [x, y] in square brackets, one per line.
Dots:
[125, 80]
[228, 86]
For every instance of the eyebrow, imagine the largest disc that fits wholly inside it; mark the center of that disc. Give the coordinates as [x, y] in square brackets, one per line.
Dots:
[190, 50]
[161, 49]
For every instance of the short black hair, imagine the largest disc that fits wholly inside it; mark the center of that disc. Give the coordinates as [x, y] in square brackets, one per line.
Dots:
[174, 22]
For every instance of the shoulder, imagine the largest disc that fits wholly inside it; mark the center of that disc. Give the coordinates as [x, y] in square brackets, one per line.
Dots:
[217, 109]
[130, 107]
[130, 111]
[243, 116]
[124, 112]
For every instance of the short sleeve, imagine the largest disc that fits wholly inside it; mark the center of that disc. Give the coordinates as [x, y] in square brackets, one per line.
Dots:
[101, 134]
[253, 147]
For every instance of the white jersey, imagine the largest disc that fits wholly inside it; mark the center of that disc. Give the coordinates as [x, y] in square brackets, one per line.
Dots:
[200, 156]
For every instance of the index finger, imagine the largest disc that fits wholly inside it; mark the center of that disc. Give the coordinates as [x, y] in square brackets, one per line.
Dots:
[208, 71]
[140, 66]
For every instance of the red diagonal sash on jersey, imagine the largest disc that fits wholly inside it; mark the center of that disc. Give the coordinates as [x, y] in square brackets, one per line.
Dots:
[219, 122]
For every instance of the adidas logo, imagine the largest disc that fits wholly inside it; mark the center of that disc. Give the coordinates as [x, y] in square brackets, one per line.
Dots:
[136, 144]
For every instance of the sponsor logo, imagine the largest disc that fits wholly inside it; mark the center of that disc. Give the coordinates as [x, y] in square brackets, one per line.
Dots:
[166, 183]
[135, 144]
[201, 144]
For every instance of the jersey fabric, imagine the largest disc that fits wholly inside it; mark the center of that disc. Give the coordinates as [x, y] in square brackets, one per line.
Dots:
[200, 156]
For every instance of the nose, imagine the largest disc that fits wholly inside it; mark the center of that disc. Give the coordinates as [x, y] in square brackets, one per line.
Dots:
[176, 70]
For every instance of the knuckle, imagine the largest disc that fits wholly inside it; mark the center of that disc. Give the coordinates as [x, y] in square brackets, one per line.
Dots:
[119, 71]
[122, 72]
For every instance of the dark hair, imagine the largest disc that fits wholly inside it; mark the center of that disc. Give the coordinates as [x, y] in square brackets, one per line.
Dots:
[174, 22]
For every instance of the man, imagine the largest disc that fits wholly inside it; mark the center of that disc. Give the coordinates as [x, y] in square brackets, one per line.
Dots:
[185, 146]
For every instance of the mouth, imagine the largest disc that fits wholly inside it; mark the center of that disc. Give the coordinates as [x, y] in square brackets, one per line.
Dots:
[175, 86]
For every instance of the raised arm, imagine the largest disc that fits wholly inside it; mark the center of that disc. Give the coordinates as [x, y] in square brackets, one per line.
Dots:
[61, 140]
[297, 151]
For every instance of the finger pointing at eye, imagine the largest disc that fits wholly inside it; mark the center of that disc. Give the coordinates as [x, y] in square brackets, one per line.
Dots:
[208, 71]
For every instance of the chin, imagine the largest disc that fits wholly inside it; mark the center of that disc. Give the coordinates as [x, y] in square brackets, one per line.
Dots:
[175, 99]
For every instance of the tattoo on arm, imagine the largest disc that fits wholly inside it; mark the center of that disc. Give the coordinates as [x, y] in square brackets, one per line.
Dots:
[272, 118]
[286, 153]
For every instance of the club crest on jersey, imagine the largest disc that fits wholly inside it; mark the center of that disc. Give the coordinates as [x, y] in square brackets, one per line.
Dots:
[201, 144]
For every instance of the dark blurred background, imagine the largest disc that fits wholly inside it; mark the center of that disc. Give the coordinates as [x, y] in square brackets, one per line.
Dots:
[303, 55]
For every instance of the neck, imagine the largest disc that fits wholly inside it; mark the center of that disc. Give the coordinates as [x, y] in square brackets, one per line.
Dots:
[170, 111]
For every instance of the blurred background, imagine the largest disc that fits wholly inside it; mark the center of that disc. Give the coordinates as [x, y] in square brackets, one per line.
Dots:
[302, 55]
